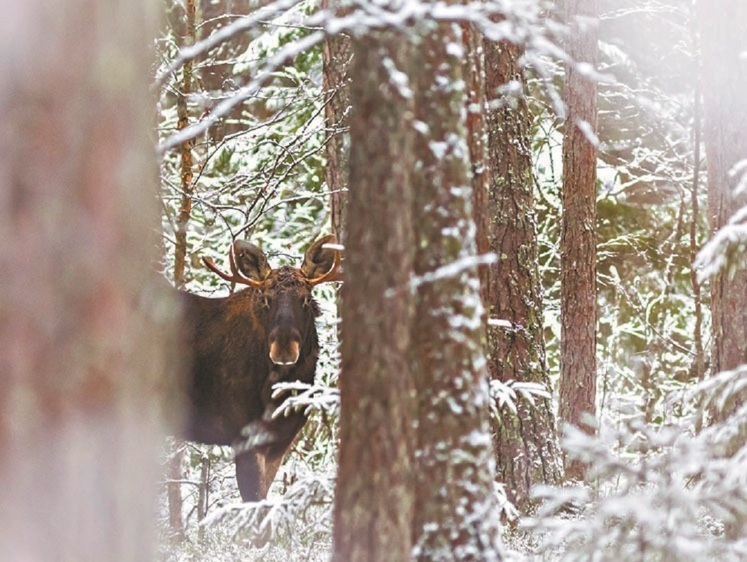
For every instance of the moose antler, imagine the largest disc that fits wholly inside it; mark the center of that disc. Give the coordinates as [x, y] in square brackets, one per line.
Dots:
[236, 275]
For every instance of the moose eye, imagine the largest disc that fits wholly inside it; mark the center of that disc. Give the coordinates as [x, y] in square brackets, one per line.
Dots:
[265, 302]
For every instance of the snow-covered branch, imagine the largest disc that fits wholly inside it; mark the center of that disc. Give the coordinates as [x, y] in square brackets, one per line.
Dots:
[250, 22]
[725, 249]
[516, 21]
[305, 397]
[275, 62]
[508, 394]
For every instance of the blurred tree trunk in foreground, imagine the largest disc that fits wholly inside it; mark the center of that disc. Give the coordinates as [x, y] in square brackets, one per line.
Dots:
[526, 441]
[81, 348]
[578, 254]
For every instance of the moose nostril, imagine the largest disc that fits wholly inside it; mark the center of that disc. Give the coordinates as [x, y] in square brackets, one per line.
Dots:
[285, 346]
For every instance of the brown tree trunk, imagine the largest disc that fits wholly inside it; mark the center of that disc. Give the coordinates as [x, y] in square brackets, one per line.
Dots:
[526, 441]
[185, 153]
[456, 508]
[477, 140]
[188, 35]
[175, 474]
[203, 492]
[217, 69]
[336, 58]
[723, 30]
[578, 305]
[373, 502]
[81, 357]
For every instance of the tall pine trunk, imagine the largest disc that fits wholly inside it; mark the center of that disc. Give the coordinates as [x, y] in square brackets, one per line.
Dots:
[723, 30]
[526, 441]
[374, 499]
[578, 304]
[410, 212]
[455, 504]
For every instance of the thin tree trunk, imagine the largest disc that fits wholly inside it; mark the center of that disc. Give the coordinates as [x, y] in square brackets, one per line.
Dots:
[698, 368]
[173, 488]
[217, 69]
[373, 502]
[185, 152]
[578, 305]
[203, 492]
[81, 348]
[335, 80]
[526, 442]
[174, 475]
[455, 504]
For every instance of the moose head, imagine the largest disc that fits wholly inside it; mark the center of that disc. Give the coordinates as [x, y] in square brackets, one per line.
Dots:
[285, 303]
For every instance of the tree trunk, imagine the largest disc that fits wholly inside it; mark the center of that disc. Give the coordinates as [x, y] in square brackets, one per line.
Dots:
[203, 492]
[455, 504]
[578, 308]
[723, 30]
[188, 36]
[216, 76]
[526, 442]
[185, 153]
[336, 53]
[175, 475]
[373, 503]
[81, 349]
[477, 140]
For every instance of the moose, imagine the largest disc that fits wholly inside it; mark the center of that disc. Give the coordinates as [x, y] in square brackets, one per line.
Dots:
[241, 345]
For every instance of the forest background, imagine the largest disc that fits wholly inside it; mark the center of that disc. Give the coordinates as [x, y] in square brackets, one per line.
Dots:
[256, 138]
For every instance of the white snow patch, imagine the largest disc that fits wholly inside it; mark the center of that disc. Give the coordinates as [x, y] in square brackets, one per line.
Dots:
[455, 50]
[397, 78]
[439, 149]
[588, 131]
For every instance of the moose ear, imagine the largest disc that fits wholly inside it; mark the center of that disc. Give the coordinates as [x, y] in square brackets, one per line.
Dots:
[251, 261]
[319, 261]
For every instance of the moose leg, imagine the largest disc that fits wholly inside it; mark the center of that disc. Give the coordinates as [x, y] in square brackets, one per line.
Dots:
[260, 452]
[255, 472]
[268, 469]
[272, 456]
[249, 476]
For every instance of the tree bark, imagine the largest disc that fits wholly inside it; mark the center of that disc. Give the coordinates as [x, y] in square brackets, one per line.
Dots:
[175, 475]
[215, 74]
[477, 140]
[455, 504]
[175, 465]
[185, 153]
[526, 441]
[373, 502]
[337, 53]
[81, 353]
[723, 29]
[578, 307]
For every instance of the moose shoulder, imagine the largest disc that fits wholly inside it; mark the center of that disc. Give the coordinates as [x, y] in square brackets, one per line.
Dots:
[243, 344]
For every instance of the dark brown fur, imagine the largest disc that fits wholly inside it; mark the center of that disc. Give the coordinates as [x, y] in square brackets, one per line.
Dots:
[231, 374]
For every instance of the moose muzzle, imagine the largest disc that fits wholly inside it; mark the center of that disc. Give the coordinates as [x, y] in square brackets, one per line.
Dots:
[285, 346]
